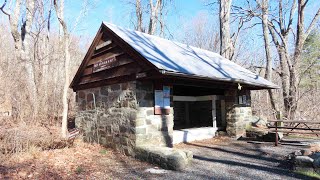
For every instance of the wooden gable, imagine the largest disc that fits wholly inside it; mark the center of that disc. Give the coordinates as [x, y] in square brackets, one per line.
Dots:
[109, 60]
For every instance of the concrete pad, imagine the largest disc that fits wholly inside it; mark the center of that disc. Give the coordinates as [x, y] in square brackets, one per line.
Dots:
[193, 134]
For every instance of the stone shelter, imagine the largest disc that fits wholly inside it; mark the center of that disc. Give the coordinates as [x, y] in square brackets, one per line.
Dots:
[135, 89]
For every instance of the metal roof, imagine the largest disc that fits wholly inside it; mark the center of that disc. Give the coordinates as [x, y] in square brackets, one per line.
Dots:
[177, 58]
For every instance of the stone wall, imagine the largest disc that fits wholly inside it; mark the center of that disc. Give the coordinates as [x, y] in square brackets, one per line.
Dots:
[123, 117]
[151, 129]
[112, 121]
[237, 115]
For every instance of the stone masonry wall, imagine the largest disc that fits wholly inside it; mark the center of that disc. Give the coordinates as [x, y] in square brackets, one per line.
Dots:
[237, 116]
[112, 121]
[151, 129]
[123, 117]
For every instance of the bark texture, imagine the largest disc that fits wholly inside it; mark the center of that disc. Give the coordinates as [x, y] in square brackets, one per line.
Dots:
[65, 47]
[226, 48]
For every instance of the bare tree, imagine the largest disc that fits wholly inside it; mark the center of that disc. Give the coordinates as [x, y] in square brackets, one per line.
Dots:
[154, 14]
[288, 64]
[226, 48]
[139, 16]
[66, 39]
[201, 32]
[268, 73]
[154, 11]
[21, 36]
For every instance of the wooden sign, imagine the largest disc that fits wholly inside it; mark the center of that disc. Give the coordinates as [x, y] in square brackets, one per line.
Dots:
[105, 64]
[141, 75]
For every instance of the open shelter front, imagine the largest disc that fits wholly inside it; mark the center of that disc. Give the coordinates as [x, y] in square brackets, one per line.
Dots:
[135, 90]
[197, 113]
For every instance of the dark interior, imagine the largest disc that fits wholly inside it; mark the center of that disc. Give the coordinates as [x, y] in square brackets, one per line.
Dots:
[192, 114]
[181, 90]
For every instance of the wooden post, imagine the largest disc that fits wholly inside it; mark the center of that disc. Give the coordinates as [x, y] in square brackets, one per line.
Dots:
[279, 118]
[276, 141]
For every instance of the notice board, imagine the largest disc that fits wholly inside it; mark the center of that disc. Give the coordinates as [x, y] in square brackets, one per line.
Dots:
[162, 101]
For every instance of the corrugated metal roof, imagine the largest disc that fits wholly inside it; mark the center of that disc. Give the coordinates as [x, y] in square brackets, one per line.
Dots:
[184, 59]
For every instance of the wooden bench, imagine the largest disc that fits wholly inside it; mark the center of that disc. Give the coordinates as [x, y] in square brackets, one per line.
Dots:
[293, 126]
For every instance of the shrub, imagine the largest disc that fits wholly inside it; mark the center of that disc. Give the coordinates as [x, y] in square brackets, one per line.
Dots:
[22, 138]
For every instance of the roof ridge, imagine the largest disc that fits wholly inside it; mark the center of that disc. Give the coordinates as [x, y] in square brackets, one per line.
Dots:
[155, 36]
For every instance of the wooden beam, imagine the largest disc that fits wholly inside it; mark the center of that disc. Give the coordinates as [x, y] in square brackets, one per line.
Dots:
[115, 80]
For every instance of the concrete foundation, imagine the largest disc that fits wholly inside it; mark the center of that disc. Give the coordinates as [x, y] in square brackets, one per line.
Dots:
[193, 134]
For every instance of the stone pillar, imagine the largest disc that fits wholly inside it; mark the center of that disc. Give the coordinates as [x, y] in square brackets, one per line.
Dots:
[237, 115]
[151, 129]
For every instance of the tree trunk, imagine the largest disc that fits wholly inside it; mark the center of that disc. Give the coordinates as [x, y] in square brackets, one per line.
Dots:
[64, 128]
[66, 39]
[22, 40]
[224, 17]
[139, 16]
[154, 12]
[268, 73]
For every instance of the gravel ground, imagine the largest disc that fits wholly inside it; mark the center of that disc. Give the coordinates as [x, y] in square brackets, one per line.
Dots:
[229, 159]
[217, 158]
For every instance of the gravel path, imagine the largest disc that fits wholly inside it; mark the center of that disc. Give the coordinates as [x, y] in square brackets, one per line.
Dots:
[217, 158]
[230, 159]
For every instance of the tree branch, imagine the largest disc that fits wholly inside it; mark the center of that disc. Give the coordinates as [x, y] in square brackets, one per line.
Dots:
[313, 22]
[2, 9]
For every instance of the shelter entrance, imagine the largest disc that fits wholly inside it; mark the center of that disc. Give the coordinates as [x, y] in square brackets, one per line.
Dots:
[196, 111]
[191, 113]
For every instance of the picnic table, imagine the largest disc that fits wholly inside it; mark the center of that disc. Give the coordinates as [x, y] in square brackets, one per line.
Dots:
[293, 125]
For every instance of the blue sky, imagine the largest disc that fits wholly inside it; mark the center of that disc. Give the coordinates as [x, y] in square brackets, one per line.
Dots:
[181, 12]
[120, 12]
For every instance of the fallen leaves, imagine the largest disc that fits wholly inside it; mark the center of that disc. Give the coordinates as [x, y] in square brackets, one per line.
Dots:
[79, 162]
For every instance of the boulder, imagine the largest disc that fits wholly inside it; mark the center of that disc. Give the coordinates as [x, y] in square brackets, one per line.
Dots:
[303, 161]
[297, 153]
[306, 152]
[315, 155]
[258, 122]
[316, 165]
[167, 158]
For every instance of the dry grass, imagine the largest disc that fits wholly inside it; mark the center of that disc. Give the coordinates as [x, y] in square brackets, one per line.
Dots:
[315, 147]
[82, 161]
[23, 138]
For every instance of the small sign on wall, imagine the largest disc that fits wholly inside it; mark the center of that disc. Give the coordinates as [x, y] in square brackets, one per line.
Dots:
[105, 64]
[243, 99]
[158, 98]
[166, 97]
[162, 101]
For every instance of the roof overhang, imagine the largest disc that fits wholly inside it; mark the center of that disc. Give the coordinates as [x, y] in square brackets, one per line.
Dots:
[251, 85]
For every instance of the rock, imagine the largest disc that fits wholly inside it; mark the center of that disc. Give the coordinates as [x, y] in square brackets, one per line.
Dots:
[303, 161]
[297, 153]
[316, 165]
[294, 154]
[222, 133]
[315, 155]
[305, 169]
[167, 158]
[306, 152]
[258, 121]
[22, 174]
